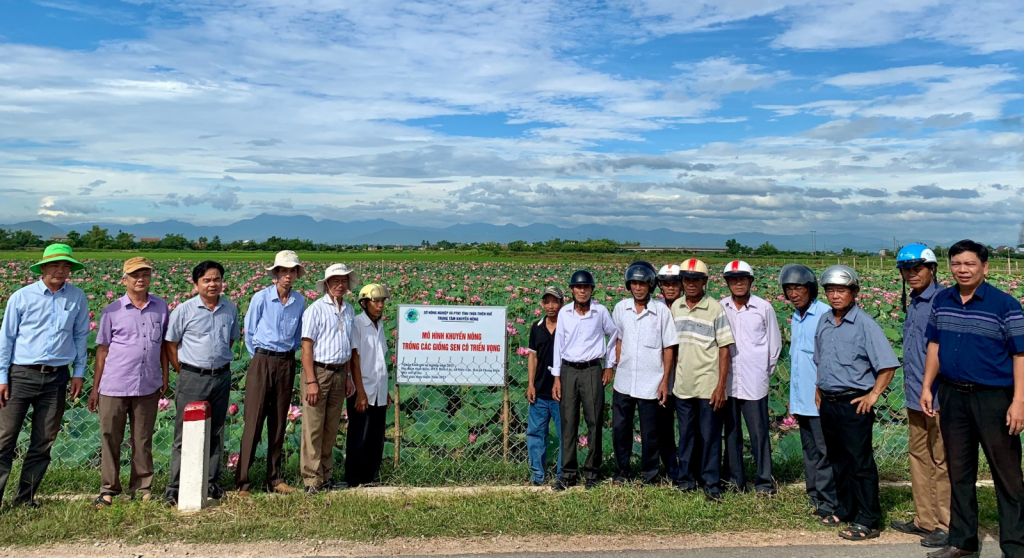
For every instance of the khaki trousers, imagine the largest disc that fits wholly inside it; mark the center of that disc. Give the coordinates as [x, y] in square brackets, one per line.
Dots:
[320, 426]
[140, 412]
[928, 474]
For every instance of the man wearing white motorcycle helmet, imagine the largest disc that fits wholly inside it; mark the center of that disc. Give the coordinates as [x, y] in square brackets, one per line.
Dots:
[671, 285]
[751, 360]
[855, 365]
[928, 475]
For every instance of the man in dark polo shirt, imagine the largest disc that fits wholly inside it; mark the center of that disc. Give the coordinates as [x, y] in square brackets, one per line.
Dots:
[543, 408]
[976, 343]
[855, 364]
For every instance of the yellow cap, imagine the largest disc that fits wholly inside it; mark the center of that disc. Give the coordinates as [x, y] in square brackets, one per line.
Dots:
[693, 268]
[134, 264]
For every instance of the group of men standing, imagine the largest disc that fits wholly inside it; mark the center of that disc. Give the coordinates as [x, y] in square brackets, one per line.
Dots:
[43, 350]
[709, 364]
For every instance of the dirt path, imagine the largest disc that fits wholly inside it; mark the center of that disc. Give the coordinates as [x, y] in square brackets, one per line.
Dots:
[441, 546]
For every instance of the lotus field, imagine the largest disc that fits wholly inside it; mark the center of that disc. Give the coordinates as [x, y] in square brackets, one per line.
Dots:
[455, 434]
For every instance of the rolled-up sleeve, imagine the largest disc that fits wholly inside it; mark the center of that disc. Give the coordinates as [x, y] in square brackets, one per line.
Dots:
[8, 335]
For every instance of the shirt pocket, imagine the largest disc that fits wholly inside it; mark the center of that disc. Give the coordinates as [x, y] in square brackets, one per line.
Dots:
[288, 325]
[846, 353]
[66, 317]
[759, 332]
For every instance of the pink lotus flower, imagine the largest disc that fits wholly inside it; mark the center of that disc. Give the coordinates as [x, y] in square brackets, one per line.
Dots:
[92, 326]
[110, 295]
[536, 312]
[523, 351]
[233, 409]
[163, 404]
[294, 413]
[582, 442]
[233, 461]
[472, 438]
[788, 423]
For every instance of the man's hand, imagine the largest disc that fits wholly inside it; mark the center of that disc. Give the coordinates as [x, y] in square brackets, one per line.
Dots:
[531, 394]
[76, 388]
[5, 394]
[312, 392]
[361, 402]
[926, 402]
[350, 387]
[865, 403]
[718, 398]
[389, 400]
[606, 378]
[817, 398]
[94, 401]
[556, 389]
[662, 393]
[1015, 417]
[165, 388]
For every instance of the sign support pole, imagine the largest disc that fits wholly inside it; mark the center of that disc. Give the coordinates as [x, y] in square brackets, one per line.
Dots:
[398, 426]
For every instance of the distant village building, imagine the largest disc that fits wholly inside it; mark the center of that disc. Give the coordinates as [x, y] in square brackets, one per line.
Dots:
[59, 238]
[149, 240]
[1004, 249]
[669, 249]
[883, 252]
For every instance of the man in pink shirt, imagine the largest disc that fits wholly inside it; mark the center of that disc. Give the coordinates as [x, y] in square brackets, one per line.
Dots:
[752, 361]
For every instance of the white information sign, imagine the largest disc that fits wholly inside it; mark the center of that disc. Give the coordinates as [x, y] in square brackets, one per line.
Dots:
[451, 345]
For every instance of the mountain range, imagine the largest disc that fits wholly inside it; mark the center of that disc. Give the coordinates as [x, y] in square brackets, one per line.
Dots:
[381, 231]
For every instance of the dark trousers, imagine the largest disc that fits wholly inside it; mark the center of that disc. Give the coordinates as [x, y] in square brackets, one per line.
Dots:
[665, 425]
[115, 412]
[216, 390]
[821, 487]
[582, 387]
[268, 395]
[848, 442]
[755, 414]
[696, 415]
[45, 394]
[624, 409]
[970, 419]
[364, 442]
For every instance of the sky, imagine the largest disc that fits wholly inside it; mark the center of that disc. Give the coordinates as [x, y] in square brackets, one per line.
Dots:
[885, 117]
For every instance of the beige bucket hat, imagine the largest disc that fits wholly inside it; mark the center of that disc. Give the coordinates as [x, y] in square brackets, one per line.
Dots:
[289, 259]
[338, 269]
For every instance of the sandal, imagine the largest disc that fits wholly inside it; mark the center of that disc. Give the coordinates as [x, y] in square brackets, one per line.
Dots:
[858, 532]
[100, 502]
[829, 520]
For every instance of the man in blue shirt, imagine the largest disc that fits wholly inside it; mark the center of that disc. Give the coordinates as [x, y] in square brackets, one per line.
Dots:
[855, 365]
[976, 344]
[928, 475]
[273, 332]
[43, 336]
[800, 286]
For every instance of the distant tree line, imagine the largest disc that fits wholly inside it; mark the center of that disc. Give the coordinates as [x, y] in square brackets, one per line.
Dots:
[98, 238]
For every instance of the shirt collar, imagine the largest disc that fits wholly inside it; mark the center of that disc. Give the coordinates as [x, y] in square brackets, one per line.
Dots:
[850, 316]
[751, 302]
[201, 304]
[702, 303]
[979, 293]
[928, 293]
[127, 302]
[812, 310]
[651, 307]
[44, 289]
[274, 295]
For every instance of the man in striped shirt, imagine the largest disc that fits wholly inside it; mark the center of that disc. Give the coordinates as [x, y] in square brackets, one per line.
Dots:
[976, 344]
[326, 375]
[702, 370]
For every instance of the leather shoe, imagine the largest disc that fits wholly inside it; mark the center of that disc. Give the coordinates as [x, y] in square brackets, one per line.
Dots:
[937, 539]
[951, 552]
[910, 528]
[283, 488]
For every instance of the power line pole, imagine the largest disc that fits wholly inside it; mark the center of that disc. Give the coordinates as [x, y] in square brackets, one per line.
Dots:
[814, 243]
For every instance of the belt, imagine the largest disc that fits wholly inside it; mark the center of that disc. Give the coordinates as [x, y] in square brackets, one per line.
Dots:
[969, 387]
[275, 354]
[844, 395]
[329, 367]
[45, 368]
[205, 371]
[582, 365]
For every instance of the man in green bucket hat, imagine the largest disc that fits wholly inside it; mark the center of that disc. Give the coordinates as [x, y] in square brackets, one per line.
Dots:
[42, 338]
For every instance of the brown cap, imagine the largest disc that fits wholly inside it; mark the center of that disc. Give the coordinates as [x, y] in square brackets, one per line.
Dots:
[137, 263]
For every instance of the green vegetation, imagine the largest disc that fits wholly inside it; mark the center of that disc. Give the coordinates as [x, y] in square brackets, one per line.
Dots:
[356, 515]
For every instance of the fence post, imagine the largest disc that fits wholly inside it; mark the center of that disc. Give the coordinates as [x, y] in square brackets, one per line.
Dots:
[398, 425]
[504, 405]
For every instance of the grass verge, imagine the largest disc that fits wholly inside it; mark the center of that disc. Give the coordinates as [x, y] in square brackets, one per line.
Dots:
[363, 516]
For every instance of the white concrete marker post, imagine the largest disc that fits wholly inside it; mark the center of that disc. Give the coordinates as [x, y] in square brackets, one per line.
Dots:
[195, 457]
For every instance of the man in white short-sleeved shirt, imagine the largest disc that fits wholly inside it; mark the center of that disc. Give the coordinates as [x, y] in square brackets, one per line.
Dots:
[644, 354]
[367, 410]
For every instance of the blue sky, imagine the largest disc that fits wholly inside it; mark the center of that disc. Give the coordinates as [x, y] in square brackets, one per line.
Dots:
[779, 116]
